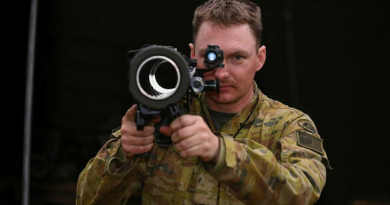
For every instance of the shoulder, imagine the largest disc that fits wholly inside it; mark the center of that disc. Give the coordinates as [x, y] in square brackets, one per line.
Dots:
[274, 109]
[284, 118]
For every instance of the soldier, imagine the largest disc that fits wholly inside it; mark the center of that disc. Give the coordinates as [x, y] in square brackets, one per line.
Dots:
[235, 147]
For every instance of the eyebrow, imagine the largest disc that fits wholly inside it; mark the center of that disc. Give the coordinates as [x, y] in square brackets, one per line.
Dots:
[240, 51]
[235, 52]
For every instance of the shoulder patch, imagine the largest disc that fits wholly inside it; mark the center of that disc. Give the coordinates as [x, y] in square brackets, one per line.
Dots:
[306, 124]
[309, 141]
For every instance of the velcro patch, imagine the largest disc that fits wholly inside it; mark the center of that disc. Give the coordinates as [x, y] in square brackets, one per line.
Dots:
[309, 141]
[305, 124]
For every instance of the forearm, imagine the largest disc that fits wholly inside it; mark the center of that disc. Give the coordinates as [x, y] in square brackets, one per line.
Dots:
[255, 174]
[109, 178]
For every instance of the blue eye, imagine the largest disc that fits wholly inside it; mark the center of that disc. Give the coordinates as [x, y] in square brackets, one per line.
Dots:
[238, 57]
[211, 56]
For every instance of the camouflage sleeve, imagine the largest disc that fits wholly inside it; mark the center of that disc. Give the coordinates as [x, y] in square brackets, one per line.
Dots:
[293, 174]
[110, 178]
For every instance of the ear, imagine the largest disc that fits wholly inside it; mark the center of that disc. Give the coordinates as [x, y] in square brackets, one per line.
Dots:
[261, 56]
[192, 47]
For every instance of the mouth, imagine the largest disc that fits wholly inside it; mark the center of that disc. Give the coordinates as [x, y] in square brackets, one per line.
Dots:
[223, 88]
[226, 84]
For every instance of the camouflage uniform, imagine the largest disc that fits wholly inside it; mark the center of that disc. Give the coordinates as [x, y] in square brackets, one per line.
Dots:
[276, 158]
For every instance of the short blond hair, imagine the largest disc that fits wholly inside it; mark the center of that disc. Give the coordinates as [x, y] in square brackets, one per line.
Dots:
[227, 13]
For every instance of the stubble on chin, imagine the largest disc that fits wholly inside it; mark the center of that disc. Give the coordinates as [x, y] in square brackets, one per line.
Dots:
[221, 98]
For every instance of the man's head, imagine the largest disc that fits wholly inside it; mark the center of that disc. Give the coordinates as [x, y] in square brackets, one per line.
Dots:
[235, 26]
[226, 13]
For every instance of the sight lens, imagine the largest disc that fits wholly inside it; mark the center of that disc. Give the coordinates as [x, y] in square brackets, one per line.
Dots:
[211, 56]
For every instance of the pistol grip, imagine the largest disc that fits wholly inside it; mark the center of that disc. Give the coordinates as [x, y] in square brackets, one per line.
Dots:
[141, 121]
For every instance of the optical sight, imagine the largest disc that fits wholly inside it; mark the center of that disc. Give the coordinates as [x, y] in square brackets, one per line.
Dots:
[213, 57]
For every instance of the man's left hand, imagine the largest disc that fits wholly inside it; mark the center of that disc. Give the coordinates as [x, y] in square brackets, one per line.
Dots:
[193, 138]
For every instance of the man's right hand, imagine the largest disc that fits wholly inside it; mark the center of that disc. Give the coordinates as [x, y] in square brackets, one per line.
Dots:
[135, 141]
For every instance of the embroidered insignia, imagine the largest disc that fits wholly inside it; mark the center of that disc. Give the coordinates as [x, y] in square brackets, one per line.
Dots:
[305, 124]
[309, 141]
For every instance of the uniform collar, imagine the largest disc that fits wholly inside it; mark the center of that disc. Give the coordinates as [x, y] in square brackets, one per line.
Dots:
[242, 118]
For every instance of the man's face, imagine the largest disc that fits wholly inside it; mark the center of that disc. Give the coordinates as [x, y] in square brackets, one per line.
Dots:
[242, 60]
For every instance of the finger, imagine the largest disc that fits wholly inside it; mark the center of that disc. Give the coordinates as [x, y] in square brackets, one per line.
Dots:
[131, 130]
[148, 130]
[188, 144]
[143, 149]
[183, 121]
[184, 133]
[195, 151]
[165, 130]
[133, 150]
[137, 141]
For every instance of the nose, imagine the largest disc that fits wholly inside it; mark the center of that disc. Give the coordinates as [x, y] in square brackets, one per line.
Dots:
[221, 73]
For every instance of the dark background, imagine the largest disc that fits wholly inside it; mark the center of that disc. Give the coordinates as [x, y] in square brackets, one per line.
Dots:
[326, 58]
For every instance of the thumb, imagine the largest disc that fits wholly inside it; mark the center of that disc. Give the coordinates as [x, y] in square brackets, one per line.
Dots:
[131, 113]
